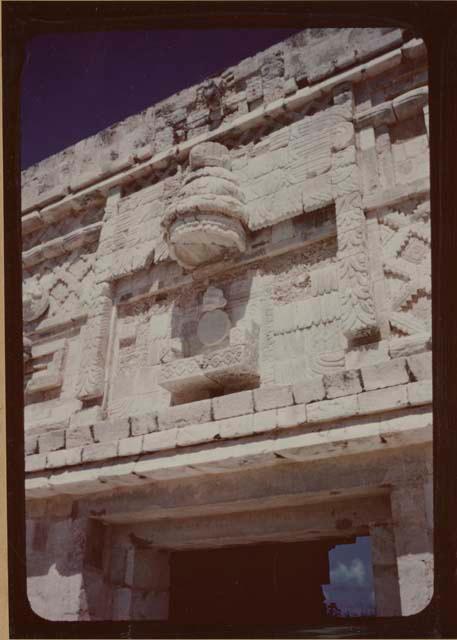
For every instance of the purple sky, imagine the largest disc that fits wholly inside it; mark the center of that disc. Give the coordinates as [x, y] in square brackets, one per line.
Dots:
[75, 84]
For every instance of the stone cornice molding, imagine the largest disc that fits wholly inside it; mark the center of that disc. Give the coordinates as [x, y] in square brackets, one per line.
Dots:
[58, 202]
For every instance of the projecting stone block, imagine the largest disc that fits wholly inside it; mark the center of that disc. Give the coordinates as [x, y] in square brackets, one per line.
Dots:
[420, 392]
[233, 404]
[100, 451]
[141, 425]
[410, 345]
[345, 383]
[197, 434]
[272, 397]
[335, 409]
[110, 430]
[160, 440]
[79, 436]
[420, 365]
[311, 391]
[383, 399]
[130, 446]
[293, 416]
[184, 414]
[51, 441]
[385, 374]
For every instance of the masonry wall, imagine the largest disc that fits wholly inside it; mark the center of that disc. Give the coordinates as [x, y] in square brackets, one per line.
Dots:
[301, 331]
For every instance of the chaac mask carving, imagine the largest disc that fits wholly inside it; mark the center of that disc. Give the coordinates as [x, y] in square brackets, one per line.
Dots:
[207, 221]
[35, 301]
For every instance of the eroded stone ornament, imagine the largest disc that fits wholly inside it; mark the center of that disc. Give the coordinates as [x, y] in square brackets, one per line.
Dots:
[35, 301]
[207, 222]
[214, 325]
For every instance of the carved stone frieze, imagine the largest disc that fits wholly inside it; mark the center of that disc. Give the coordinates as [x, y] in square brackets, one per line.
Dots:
[230, 367]
[358, 316]
[94, 345]
[35, 301]
[45, 376]
[407, 266]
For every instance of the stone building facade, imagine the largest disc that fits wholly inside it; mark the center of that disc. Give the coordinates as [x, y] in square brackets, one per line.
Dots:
[227, 329]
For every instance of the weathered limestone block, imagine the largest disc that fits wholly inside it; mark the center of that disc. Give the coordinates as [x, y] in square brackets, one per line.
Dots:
[35, 462]
[160, 440]
[130, 446]
[342, 384]
[51, 441]
[79, 436]
[122, 604]
[185, 414]
[385, 573]
[64, 458]
[272, 397]
[291, 416]
[143, 424]
[198, 434]
[335, 409]
[150, 606]
[101, 451]
[383, 399]
[58, 592]
[236, 427]
[264, 421]
[413, 548]
[409, 345]
[30, 445]
[385, 374]
[420, 392]
[233, 404]
[420, 366]
[108, 431]
[311, 391]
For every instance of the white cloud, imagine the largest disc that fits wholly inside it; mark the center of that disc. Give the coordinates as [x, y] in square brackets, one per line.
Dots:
[353, 573]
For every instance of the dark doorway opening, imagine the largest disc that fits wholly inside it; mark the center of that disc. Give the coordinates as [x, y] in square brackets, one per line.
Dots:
[271, 583]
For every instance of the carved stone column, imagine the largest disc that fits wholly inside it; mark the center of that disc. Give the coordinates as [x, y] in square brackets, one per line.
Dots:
[95, 335]
[358, 311]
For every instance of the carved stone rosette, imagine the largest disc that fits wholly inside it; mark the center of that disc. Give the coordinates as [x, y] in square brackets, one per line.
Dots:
[207, 221]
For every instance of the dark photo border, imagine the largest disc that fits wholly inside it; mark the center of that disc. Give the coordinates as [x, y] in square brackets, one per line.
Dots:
[436, 23]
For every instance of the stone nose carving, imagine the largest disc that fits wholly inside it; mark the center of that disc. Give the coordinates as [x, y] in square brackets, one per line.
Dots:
[35, 301]
[207, 221]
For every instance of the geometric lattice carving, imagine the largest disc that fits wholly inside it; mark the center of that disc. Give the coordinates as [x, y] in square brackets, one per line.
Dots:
[407, 266]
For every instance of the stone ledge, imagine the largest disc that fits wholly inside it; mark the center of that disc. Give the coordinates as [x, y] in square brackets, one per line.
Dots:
[184, 427]
[97, 184]
[356, 436]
